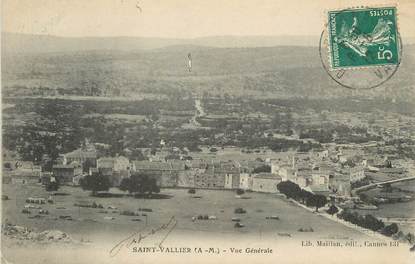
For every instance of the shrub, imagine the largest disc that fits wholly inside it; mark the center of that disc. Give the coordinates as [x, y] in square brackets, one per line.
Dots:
[95, 183]
[410, 238]
[213, 150]
[373, 223]
[263, 168]
[390, 230]
[238, 225]
[240, 211]
[52, 186]
[368, 221]
[332, 210]
[140, 184]
[25, 211]
[317, 201]
[290, 189]
[145, 209]
[129, 213]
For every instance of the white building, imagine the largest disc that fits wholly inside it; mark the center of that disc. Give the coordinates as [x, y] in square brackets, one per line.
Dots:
[228, 181]
[357, 174]
[286, 173]
[275, 167]
[320, 178]
[245, 181]
[116, 168]
[119, 163]
[265, 182]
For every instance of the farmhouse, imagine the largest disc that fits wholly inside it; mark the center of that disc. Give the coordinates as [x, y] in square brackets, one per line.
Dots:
[186, 178]
[166, 173]
[303, 177]
[265, 182]
[25, 172]
[218, 175]
[320, 178]
[85, 156]
[24, 178]
[245, 181]
[340, 186]
[286, 173]
[115, 168]
[46, 177]
[66, 173]
[232, 175]
[357, 174]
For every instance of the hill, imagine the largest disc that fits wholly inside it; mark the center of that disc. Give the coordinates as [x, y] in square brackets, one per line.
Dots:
[25, 43]
[281, 71]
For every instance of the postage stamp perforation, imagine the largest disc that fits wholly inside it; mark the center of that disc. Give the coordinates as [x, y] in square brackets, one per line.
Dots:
[361, 8]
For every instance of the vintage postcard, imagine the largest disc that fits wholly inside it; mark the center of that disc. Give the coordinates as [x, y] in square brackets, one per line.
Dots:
[193, 131]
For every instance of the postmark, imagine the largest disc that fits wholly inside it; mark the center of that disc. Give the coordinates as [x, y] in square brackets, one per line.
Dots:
[361, 48]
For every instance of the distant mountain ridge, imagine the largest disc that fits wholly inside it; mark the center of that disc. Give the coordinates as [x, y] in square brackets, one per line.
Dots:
[127, 67]
[25, 43]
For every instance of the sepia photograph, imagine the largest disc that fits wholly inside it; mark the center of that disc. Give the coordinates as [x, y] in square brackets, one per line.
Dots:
[192, 131]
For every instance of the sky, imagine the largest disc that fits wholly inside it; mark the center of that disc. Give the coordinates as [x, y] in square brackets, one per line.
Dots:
[181, 18]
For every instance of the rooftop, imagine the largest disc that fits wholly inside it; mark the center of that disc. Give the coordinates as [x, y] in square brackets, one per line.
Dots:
[67, 166]
[265, 175]
[82, 154]
[160, 166]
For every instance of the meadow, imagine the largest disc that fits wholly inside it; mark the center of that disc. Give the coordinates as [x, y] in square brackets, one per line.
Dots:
[94, 224]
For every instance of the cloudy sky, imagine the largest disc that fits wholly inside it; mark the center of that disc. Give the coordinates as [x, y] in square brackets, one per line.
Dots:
[181, 18]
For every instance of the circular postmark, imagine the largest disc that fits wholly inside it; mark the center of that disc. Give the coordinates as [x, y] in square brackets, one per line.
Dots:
[357, 76]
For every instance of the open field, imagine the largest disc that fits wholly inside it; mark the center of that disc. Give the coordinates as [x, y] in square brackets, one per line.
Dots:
[89, 223]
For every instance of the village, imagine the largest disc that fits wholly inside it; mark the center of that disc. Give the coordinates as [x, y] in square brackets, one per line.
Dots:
[334, 172]
[207, 191]
[216, 164]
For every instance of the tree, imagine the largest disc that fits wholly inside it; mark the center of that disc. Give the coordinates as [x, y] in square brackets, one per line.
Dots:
[53, 185]
[410, 238]
[125, 184]
[149, 185]
[304, 195]
[290, 189]
[317, 200]
[332, 210]
[390, 230]
[372, 223]
[7, 165]
[140, 184]
[87, 165]
[95, 183]
[154, 117]
[263, 168]
[136, 154]
[213, 149]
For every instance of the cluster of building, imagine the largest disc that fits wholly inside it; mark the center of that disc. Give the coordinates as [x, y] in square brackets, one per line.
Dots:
[21, 172]
[322, 172]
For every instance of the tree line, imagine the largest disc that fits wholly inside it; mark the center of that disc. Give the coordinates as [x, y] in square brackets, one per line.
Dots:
[137, 184]
[369, 222]
[292, 190]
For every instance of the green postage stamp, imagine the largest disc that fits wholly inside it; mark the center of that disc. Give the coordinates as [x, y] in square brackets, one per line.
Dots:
[363, 37]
